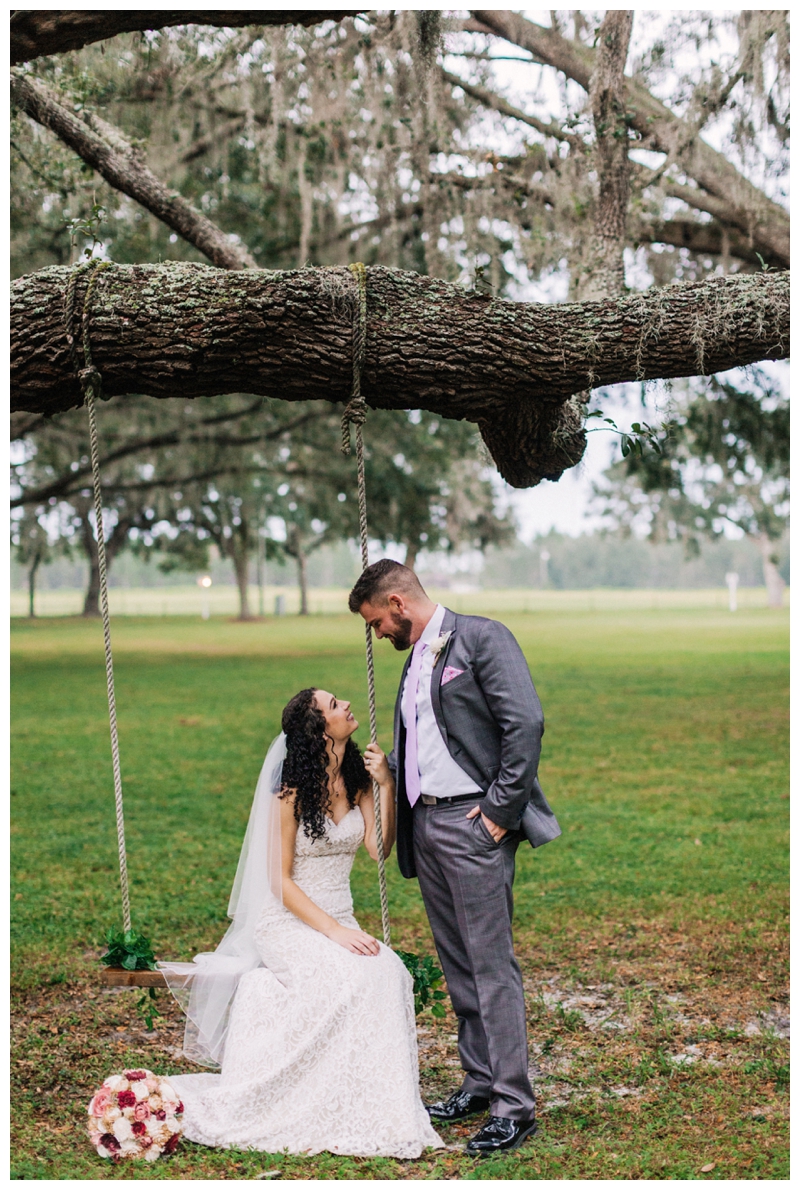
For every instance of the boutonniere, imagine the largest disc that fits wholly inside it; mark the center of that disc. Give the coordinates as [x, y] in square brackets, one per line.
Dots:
[437, 645]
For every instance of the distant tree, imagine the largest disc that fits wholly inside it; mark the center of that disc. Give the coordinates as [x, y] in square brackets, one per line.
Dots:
[32, 546]
[724, 461]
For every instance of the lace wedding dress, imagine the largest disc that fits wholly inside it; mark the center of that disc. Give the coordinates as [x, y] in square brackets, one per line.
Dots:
[321, 1050]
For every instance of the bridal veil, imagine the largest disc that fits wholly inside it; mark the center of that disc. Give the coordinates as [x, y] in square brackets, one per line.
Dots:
[205, 988]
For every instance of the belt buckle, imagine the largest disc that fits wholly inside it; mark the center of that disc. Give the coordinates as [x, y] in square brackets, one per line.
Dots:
[427, 800]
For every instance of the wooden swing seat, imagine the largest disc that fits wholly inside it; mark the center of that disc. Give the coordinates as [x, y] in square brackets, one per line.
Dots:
[118, 977]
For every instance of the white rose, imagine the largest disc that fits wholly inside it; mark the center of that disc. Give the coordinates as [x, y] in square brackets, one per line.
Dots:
[152, 1154]
[152, 1125]
[109, 1116]
[116, 1083]
[103, 1151]
[155, 1102]
[139, 1088]
[129, 1148]
[173, 1124]
[122, 1129]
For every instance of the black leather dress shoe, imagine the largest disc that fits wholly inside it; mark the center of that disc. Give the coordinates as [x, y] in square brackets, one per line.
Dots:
[458, 1106]
[500, 1135]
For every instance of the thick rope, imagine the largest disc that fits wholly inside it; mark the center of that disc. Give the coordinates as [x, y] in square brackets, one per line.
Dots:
[355, 413]
[91, 383]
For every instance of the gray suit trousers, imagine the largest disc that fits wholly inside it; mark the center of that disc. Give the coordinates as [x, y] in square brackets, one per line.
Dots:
[466, 883]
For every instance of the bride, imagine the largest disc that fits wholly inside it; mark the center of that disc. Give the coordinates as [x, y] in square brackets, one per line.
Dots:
[309, 1020]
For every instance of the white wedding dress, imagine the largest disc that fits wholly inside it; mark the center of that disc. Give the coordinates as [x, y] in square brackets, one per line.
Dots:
[321, 1050]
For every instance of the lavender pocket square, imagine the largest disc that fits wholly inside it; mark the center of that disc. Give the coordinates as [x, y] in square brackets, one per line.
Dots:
[449, 673]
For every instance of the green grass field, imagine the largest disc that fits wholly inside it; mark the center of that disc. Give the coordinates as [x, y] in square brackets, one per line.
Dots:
[652, 935]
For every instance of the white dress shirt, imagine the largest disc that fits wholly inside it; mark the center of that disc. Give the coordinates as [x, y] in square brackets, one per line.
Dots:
[439, 775]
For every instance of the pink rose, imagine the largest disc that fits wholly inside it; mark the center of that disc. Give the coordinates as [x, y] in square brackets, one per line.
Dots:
[145, 1141]
[161, 1115]
[100, 1102]
[152, 1083]
[141, 1111]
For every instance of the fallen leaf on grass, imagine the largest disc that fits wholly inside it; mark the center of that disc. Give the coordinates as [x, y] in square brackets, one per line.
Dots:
[708, 1168]
[761, 978]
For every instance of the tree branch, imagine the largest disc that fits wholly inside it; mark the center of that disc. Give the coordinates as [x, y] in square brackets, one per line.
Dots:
[71, 481]
[746, 207]
[496, 102]
[188, 330]
[35, 34]
[122, 167]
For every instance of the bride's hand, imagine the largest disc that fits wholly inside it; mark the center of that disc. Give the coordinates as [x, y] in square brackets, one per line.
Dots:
[356, 941]
[376, 764]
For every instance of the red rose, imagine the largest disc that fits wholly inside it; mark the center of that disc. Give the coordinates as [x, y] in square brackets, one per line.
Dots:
[138, 1128]
[109, 1141]
[134, 1075]
[126, 1099]
[172, 1143]
[161, 1115]
[179, 1109]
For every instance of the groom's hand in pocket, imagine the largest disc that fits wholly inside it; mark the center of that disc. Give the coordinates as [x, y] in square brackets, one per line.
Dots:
[494, 830]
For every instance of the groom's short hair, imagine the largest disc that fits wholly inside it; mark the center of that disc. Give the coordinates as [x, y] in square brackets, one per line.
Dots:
[379, 580]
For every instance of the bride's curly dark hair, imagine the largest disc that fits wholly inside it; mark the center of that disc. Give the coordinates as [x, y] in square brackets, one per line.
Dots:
[305, 766]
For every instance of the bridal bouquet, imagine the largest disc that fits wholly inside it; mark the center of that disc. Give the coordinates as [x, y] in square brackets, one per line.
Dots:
[135, 1114]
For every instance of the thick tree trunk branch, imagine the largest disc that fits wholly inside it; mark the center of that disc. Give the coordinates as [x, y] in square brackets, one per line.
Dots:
[189, 330]
[37, 33]
[746, 207]
[605, 274]
[107, 151]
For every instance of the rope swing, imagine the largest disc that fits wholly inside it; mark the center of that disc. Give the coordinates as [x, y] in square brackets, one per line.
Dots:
[355, 413]
[92, 384]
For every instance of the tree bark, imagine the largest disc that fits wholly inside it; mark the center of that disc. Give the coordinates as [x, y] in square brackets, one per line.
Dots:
[772, 577]
[411, 555]
[302, 579]
[746, 207]
[91, 602]
[189, 331]
[241, 562]
[35, 34]
[122, 167]
[34, 566]
[604, 275]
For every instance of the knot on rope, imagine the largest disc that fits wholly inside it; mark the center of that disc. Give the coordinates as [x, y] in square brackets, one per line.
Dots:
[355, 412]
[90, 378]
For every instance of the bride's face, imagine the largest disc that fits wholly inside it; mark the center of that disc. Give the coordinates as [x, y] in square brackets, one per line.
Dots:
[340, 723]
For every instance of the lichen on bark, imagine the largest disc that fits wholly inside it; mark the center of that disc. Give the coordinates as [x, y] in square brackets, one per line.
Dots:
[191, 330]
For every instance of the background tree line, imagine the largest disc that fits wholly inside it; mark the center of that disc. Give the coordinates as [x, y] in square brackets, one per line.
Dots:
[396, 138]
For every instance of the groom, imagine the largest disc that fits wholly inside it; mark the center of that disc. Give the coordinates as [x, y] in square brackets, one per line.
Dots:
[467, 736]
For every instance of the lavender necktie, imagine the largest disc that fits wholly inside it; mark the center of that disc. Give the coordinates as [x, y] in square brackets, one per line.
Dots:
[410, 708]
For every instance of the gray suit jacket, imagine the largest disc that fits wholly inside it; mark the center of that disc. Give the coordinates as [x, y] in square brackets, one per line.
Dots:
[491, 720]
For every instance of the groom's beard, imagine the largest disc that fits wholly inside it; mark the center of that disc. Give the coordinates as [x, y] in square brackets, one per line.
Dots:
[401, 637]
